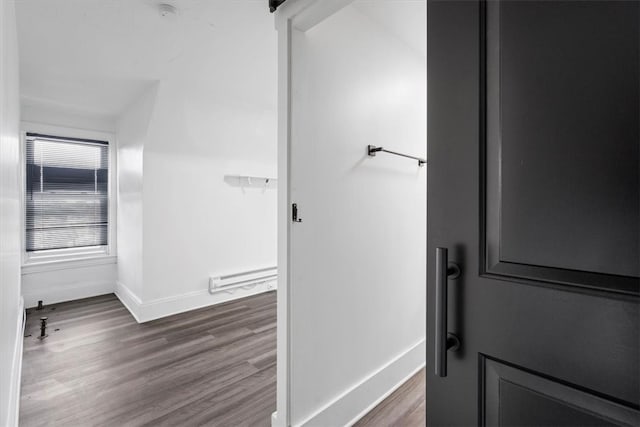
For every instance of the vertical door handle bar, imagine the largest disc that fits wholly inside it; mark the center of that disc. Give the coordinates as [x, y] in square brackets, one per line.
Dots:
[444, 340]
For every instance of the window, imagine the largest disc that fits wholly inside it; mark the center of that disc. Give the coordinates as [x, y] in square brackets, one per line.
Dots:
[67, 194]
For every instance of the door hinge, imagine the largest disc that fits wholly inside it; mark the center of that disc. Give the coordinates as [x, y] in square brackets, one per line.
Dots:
[294, 213]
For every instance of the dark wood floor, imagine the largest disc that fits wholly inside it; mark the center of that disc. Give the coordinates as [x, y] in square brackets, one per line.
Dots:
[213, 366]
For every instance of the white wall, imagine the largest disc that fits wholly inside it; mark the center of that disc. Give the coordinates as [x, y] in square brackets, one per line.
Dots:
[182, 222]
[10, 301]
[68, 281]
[358, 268]
[39, 112]
[196, 223]
[132, 128]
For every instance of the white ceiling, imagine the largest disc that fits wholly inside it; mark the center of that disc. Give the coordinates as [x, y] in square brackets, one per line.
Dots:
[405, 19]
[97, 56]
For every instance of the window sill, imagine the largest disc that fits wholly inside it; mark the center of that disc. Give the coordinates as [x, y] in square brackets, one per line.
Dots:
[36, 266]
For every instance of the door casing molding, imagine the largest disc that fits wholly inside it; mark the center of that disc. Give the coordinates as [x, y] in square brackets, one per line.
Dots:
[301, 16]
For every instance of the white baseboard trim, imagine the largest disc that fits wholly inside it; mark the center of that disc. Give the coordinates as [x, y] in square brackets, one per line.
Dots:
[16, 369]
[347, 408]
[388, 393]
[130, 300]
[56, 293]
[163, 307]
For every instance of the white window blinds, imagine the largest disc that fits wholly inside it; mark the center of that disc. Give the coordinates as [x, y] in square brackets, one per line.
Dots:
[67, 193]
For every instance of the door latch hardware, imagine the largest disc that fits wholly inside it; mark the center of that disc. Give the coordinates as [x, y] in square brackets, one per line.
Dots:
[294, 213]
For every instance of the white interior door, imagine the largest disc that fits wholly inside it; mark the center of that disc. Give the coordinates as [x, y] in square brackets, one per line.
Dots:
[355, 292]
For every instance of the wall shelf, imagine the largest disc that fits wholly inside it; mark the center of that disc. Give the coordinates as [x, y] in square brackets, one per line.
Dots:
[247, 181]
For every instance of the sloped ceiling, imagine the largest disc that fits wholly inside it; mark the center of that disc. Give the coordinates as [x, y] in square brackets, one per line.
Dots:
[404, 19]
[97, 56]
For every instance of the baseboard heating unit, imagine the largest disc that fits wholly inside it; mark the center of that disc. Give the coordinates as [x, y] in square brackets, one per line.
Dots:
[242, 279]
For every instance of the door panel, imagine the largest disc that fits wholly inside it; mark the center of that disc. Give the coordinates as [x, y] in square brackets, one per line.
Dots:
[562, 142]
[533, 185]
[514, 397]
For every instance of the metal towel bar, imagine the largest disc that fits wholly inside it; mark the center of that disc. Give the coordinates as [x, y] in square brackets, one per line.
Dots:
[372, 150]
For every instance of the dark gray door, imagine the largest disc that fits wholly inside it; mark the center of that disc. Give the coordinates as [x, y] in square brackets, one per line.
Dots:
[534, 188]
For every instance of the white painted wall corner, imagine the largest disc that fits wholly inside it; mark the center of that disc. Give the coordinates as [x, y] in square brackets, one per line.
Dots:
[130, 300]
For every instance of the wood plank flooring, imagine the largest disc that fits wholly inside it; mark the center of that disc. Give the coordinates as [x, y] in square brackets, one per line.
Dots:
[404, 407]
[213, 366]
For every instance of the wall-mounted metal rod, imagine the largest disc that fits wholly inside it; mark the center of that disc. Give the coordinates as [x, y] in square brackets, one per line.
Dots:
[372, 150]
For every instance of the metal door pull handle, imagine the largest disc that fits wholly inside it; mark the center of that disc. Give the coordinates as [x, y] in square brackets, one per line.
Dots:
[444, 340]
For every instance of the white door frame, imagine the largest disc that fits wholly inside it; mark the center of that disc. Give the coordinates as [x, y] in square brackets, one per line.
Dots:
[293, 15]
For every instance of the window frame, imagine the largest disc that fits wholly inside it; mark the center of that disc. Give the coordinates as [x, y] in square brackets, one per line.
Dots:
[56, 256]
